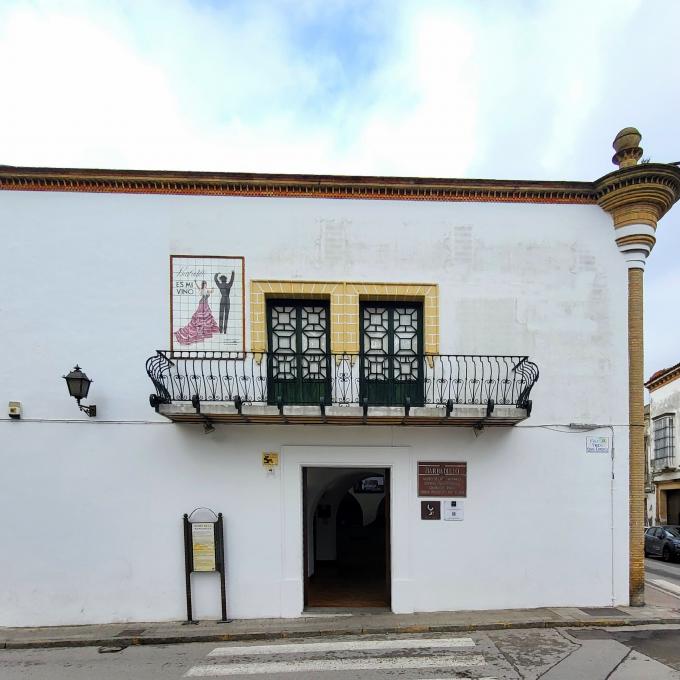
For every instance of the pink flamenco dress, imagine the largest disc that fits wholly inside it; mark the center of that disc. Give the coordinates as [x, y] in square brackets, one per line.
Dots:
[201, 327]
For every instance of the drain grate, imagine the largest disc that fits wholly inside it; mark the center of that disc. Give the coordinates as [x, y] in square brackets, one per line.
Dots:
[131, 632]
[603, 611]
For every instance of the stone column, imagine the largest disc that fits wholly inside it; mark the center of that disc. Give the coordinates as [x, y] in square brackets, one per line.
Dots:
[636, 196]
[636, 447]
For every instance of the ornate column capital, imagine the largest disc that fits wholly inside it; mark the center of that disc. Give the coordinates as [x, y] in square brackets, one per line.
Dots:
[637, 197]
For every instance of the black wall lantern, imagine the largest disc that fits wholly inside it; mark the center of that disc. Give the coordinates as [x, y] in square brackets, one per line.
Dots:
[78, 387]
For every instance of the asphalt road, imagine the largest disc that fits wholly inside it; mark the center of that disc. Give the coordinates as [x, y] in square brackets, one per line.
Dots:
[662, 581]
[665, 570]
[649, 653]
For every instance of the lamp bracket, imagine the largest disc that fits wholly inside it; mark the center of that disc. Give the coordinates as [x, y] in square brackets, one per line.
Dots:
[90, 410]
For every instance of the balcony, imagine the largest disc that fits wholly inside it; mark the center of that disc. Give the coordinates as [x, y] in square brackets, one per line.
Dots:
[663, 463]
[342, 389]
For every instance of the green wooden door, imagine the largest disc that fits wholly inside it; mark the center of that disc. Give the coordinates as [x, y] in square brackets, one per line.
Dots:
[391, 364]
[298, 363]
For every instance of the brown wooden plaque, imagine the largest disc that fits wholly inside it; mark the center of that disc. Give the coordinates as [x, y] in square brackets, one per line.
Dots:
[430, 509]
[442, 479]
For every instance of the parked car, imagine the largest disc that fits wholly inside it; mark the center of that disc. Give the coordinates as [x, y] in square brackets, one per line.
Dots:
[663, 541]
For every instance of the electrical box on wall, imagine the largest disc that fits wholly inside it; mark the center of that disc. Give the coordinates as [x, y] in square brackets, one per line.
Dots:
[14, 410]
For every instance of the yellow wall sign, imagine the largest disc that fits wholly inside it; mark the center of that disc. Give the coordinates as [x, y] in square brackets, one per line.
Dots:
[270, 459]
[203, 545]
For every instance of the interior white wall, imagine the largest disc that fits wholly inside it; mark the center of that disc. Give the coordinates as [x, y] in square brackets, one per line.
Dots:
[369, 502]
[93, 508]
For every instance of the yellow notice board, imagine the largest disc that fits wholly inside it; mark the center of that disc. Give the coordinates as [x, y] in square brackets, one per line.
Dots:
[203, 546]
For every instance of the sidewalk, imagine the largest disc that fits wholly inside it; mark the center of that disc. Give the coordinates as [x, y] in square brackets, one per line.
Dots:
[330, 623]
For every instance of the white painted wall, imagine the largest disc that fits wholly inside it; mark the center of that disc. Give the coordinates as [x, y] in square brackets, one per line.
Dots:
[92, 509]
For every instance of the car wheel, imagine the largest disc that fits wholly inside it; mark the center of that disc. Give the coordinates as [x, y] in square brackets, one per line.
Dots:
[666, 554]
[646, 553]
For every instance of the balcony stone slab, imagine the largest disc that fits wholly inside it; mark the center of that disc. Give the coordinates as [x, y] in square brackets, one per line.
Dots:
[462, 415]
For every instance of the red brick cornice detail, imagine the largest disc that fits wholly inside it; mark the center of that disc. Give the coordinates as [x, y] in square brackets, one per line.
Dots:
[302, 186]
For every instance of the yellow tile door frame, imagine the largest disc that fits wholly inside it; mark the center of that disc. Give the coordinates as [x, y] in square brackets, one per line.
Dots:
[344, 297]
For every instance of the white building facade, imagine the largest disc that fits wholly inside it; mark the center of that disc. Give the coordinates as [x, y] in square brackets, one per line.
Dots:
[340, 360]
[664, 466]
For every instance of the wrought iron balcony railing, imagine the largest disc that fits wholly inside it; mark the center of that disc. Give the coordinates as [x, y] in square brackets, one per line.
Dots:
[341, 379]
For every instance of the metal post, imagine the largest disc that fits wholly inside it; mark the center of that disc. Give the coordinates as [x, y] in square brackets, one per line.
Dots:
[220, 556]
[188, 565]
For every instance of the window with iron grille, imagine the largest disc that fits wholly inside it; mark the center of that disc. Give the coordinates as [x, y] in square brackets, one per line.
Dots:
[298, 367]
[391, 362]
[664, 444]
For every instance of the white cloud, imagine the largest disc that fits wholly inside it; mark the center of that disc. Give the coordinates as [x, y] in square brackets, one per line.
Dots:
[576, 37]
[211, 90]
[451, 88]
[79, 93]
[423, 119]
[83, 92]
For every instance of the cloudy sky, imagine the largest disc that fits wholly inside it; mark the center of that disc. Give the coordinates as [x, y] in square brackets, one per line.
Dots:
[531, 89]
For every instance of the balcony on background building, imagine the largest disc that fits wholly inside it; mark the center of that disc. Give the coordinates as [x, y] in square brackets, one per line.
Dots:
[663, 463]
[342, 389]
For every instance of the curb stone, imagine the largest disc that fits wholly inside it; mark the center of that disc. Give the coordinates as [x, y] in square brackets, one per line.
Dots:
[171, 639]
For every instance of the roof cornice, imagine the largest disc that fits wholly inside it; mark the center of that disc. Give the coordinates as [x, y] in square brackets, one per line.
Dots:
[661, 378]
[303, 186]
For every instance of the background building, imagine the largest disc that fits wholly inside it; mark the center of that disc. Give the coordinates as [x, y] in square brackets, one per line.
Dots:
[650, 496]
[347, 369]
[664, 413]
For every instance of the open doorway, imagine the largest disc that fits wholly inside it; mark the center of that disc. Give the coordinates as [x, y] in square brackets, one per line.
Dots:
[346, 536]
[673, 506]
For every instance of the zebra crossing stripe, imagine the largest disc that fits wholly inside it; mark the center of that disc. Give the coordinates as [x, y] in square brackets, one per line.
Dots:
[320, 666]
[665, 585]
[344, 646]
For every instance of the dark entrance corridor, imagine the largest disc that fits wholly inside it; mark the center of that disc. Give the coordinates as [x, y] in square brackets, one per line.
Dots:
[347, 537]
[673, 507]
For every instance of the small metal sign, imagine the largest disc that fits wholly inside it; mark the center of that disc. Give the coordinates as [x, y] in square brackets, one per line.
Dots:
[270, 460]
[442, 479]
[430, 510]
[453, 511]
[597, 444]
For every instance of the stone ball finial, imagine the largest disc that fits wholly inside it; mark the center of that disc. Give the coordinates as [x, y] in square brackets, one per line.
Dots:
[627, 147]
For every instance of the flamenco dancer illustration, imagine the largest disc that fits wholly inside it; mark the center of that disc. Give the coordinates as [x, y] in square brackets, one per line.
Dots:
[202, 325]
[225, 289]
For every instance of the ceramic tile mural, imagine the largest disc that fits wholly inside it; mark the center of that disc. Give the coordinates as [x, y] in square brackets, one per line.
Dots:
[207, 303]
